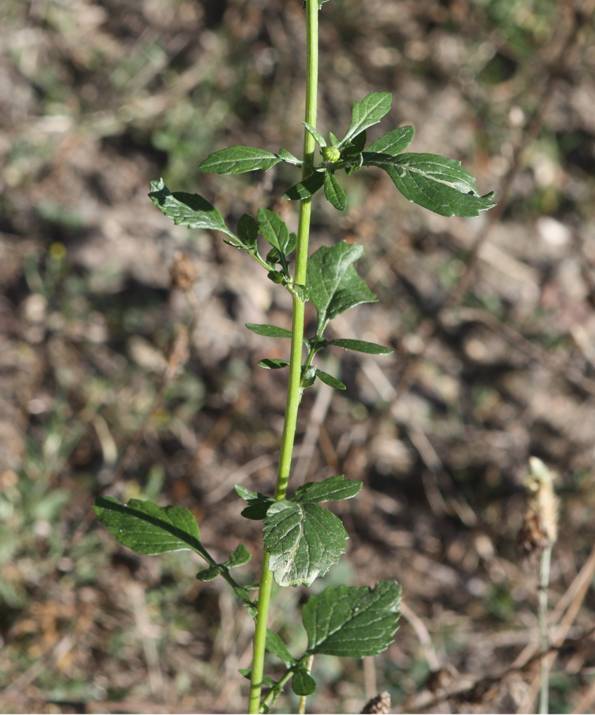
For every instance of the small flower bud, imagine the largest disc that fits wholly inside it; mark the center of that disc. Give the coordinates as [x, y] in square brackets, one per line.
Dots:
[331, 153]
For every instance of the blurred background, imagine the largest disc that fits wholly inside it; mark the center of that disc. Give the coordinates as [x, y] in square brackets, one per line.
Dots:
[116, 380]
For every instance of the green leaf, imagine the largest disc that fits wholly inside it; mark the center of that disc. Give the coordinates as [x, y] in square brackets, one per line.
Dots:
[268, 331]
[361, 346]
[334, 192]
[333, 284]
[274, 230]
[267, 681]
[334, 488]
[147, 528]
[367, 112]
[320, 140]
[307, 188]
[239, 160]
[289, 158]
[189, 210]
[238, 557]
[275, 645]
[302, 682]
[209, 574]
[321, 3]
[393, 142]
[333, 139]
[248, 230]
[434, 182]
[272, 363]
[258, 503]
[330, 380]
[353, 621]
[303, 541]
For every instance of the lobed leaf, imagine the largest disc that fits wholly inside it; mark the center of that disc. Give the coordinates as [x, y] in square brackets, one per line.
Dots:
[361, 346]
[239, 160]
[393, 142]
[334, 192]
[334, 488]
[147, 528]
[367, 112]
[434, 182]
[189, 210]
[332, 282]
[330, 380]
[268, 331]
[303, 541]
[353, 621]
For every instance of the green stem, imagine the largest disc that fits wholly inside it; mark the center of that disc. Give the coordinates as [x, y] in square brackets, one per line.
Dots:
[294, 390]
[544, 581]
[302, 705]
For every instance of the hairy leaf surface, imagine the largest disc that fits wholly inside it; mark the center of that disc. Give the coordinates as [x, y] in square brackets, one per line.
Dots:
[393, 142]
[189, 210]
[303, 541]
[361, 346]
[367, 112]
[147, 528]
[334, 488]
[434, 182]
[239, 160]
[353, 621]
[333, 284]
[334, 192]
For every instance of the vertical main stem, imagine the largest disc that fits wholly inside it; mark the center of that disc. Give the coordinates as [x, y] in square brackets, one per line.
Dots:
[294, 390]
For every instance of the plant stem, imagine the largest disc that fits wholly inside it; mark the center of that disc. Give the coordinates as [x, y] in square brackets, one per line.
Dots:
[544, 580]
[294, 389]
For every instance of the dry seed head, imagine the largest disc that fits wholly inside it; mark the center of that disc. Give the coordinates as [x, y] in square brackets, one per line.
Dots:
[540, 524]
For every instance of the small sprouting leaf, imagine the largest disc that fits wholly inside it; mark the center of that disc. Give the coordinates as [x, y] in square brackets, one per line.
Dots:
[275, 645]
[189, 210]
[332, 489]
[361, 346]
[239, 160]
[303, 541]
[333, 139]
[320, 140]
[209, 574]
[393, 142]
[434, 182]
[334, 192]
[238, 557]
[272, 363]
[258, 503]
[307, 188]
[274, 230]
[248, 230]
[147, 528]
[353, 621]
[288, 157]
[268, 331]
[330, 380]
[302, 682]
[333, 284]
[367, 112]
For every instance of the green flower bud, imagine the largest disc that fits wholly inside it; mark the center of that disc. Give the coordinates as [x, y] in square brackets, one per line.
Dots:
[331, 153]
